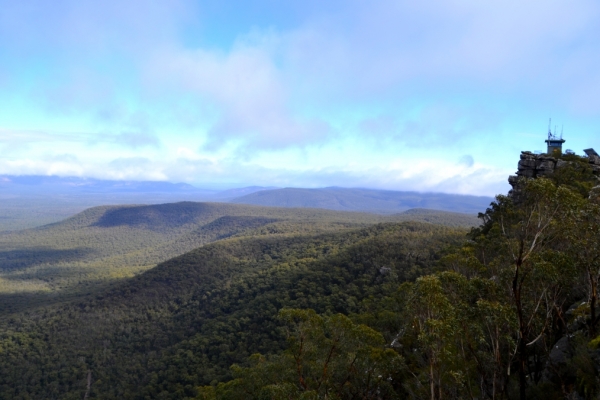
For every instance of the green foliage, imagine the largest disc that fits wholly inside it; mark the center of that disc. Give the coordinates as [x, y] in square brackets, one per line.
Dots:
[91, 249]
[437, 217]
[17, 213]
[577, 174]
[594, 343]
[493, 322]
[181, 325]
[327, 357]
[310, 304]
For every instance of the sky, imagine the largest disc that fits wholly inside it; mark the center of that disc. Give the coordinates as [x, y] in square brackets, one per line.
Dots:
[432, 96]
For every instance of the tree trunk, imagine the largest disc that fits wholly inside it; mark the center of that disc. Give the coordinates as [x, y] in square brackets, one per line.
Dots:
[593, 300]
[431, 380]
[522, 367]
[522, 347]
[89, 385]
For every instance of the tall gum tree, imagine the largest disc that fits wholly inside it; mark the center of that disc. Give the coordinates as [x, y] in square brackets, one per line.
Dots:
[584, 239]
[521, 246]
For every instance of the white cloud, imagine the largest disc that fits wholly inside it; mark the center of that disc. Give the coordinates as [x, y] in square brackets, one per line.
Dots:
[62, 165]
[384, 76]
[422, 175]
[386, 48]
[136, 139]
[247, 89]
[371, 53]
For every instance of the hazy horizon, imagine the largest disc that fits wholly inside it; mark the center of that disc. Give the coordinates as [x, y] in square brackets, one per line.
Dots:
[436, 96]
[215, 187]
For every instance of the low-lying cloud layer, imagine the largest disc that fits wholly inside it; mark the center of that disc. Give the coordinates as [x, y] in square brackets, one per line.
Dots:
[427, 176]
[437, 95]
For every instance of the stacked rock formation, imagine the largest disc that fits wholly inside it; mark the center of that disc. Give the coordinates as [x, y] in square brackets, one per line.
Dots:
[539, 165]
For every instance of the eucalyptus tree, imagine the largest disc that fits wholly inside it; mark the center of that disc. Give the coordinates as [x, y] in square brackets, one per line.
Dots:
[524, 245]
[327, 358]
[584, 239]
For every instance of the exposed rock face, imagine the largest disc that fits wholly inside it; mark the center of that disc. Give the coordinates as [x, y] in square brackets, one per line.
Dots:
[595, 194]
[595, 163]
[540, 165]
[532, 165]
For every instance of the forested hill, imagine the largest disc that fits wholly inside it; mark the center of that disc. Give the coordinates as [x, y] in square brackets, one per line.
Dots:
[110, 242]
[377, 201]
[437, 217]
[166, 332]
[32, 201]
[106, 243]
[511, 314]
[274, 303]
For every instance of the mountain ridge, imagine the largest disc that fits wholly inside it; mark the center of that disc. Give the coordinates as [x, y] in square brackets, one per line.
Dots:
[30, 201]
[366, 200]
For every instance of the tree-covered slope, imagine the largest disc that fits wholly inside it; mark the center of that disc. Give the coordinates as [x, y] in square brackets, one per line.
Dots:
[182, 324]
[511, 314]
[437, 217]
[337, 305]
[108, 242]
[105, 243]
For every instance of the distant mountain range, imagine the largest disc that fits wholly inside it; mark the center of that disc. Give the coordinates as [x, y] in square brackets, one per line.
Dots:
[87, 185]
[367, 200]
[240, 192]
[98, 192]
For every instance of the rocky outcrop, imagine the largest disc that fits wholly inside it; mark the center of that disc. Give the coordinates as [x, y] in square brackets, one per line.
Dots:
[539, 165]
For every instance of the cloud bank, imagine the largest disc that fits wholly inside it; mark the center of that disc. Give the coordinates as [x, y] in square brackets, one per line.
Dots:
[435, 95]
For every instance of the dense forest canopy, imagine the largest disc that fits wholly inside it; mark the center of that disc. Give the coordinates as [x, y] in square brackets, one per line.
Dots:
[307, 304]
[104, 244]
[180, 326]
[512, 313]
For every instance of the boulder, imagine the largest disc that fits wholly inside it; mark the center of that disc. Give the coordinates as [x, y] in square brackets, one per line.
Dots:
[545, 165]
[527, 173]
[561, 163]
[526, 164]
[557, 364]
[561, 352]
[527, 155]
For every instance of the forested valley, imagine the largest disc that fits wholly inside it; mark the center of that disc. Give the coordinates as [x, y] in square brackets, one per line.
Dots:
[224, 301]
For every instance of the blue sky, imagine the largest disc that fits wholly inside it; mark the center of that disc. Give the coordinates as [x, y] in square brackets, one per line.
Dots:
[401, 95]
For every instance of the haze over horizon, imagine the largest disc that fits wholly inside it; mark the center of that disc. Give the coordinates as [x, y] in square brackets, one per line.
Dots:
[436, 96]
